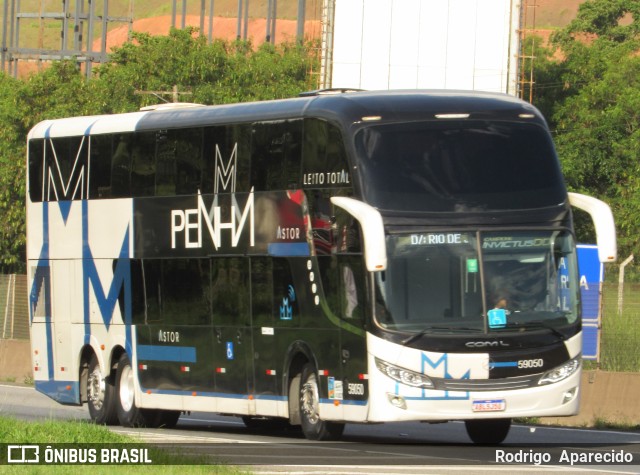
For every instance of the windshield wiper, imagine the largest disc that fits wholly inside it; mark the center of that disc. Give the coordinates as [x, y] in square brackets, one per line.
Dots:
[536, 324]
[426, 331]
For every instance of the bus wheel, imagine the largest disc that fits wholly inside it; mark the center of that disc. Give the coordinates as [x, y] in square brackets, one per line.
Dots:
[488, 431]
[129, 414]
[313, 427]
[100, 395]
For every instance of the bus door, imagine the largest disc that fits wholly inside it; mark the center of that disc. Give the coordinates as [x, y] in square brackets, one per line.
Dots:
[351, 310]
[352, 340]
[344, 295]
[232, 344]
[279, 315]
[263, 308]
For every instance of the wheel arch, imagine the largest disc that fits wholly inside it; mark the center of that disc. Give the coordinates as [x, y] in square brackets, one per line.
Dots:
[86, 353]
[299, 354]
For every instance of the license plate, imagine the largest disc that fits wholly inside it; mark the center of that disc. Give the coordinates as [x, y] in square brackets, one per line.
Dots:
[489, 405]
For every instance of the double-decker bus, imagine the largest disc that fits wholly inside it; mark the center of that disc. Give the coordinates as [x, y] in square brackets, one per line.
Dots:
[334, 258]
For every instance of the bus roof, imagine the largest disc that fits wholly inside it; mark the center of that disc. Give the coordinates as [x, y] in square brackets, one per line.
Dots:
[348, 108]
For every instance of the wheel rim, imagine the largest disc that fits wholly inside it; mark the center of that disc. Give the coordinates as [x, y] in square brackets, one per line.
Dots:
[126, 388]
[309, 399]
[96, 388]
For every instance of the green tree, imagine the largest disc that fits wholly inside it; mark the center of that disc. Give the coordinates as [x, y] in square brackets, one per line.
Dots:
[595, 112]
[12, 177]
[547, 75]
[216, 73]
[59, 91]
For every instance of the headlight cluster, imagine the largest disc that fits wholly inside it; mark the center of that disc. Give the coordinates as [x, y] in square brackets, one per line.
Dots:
[561, 372]
[404, 376]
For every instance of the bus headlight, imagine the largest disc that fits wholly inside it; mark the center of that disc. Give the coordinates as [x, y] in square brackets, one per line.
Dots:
[404, 376]
[561, 372]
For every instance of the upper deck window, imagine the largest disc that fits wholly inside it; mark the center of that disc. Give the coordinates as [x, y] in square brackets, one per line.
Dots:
[460, 166]
[270, 155]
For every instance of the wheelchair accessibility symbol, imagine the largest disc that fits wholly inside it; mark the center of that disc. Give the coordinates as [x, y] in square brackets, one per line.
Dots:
[229, 350]
[497, 318]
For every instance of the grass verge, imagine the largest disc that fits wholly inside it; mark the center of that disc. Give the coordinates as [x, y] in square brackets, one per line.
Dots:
[166, 461]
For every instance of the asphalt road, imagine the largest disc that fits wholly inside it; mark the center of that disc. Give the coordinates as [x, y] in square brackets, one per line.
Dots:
[395, 448]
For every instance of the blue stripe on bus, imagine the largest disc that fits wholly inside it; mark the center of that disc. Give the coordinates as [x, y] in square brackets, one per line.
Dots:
[57, 390]
[288, 249]
[506, 364]
[264, 397]
[65, 210]
[181, 392]
[182, 354]
[88, 129]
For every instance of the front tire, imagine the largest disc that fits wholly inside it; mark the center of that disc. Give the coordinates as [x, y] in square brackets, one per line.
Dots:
[488, 431]
[101, 395]
[313, 427]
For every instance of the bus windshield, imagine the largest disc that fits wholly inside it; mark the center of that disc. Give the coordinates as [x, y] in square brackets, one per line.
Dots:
[459, 166]
[476, 282]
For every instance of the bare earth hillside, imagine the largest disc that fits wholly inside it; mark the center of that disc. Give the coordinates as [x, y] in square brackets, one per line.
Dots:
[225, 28]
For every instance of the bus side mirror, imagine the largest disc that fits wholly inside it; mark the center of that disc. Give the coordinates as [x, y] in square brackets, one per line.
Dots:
[603, 221]
[375, 248]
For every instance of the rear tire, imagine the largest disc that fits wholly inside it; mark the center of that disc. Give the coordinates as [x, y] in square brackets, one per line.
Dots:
[101, 395]
[129, 414]
[165, 419]
[313, 427]
[488, 431]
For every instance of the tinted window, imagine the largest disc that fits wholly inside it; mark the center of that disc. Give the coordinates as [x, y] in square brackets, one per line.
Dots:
[343, 286]
[230, 291]
[133, 165]
[120, 159]
[324, 161]
[172, 291]
[143, 164]
[221, 159]
[459, 166]
[227, 158]
[262, 290]
[437, 280]
[275, 156]
[58, 169]
[100, 166]
[36, 162]
[178, 162]
[352, 291]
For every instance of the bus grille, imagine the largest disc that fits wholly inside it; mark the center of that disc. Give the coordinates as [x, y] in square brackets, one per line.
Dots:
[519, 382]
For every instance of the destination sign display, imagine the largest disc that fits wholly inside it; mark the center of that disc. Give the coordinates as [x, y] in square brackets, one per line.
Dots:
[436, 239]
[516, 242]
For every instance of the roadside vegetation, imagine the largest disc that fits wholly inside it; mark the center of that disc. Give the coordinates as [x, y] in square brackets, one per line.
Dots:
[586, 82]
[207, 73]
[591, 97]
[166, 461]
[620, 341]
